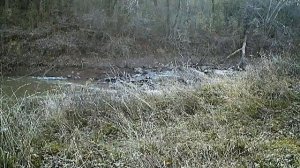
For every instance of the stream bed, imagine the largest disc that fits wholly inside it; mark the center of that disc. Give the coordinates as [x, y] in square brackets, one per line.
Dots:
[146, 79]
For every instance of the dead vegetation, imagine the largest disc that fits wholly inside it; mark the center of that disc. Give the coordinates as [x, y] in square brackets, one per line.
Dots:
[250, 120]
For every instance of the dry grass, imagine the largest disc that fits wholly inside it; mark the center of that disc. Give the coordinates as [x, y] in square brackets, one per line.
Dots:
[251, 120]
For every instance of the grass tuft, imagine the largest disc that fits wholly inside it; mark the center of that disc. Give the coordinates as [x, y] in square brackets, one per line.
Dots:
[247, 120]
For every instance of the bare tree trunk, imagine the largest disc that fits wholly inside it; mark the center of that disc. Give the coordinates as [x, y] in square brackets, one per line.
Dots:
[7, 12]
[41, 6]
[110, 6]
[243, 62]
[213, 6]
[2, 4]
[168, 17]
[213, 13]
[155, 3]
[23, 4]
[175, 25]
[6, 4]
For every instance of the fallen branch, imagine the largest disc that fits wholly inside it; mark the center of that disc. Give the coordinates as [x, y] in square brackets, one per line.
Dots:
[243, 49]
[232, 54]
[47, 71]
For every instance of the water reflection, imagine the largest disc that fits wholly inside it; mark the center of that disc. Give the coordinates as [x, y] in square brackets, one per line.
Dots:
[25, 86]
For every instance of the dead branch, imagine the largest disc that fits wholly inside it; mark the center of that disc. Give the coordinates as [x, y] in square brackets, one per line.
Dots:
[48, 70]
[243, 49]
[232, 54]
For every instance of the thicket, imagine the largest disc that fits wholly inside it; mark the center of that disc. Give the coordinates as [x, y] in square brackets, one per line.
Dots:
[186, 21]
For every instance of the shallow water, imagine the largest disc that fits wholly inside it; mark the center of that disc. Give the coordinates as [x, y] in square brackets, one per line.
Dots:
[25, 86]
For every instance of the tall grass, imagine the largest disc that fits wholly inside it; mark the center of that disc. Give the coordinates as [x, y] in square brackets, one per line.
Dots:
[249, 120]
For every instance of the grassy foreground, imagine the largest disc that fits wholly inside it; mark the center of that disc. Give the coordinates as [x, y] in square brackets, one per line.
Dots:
[252, 120]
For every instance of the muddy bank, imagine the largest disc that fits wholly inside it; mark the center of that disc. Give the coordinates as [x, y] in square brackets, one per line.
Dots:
[68, 47]
[71, 46]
